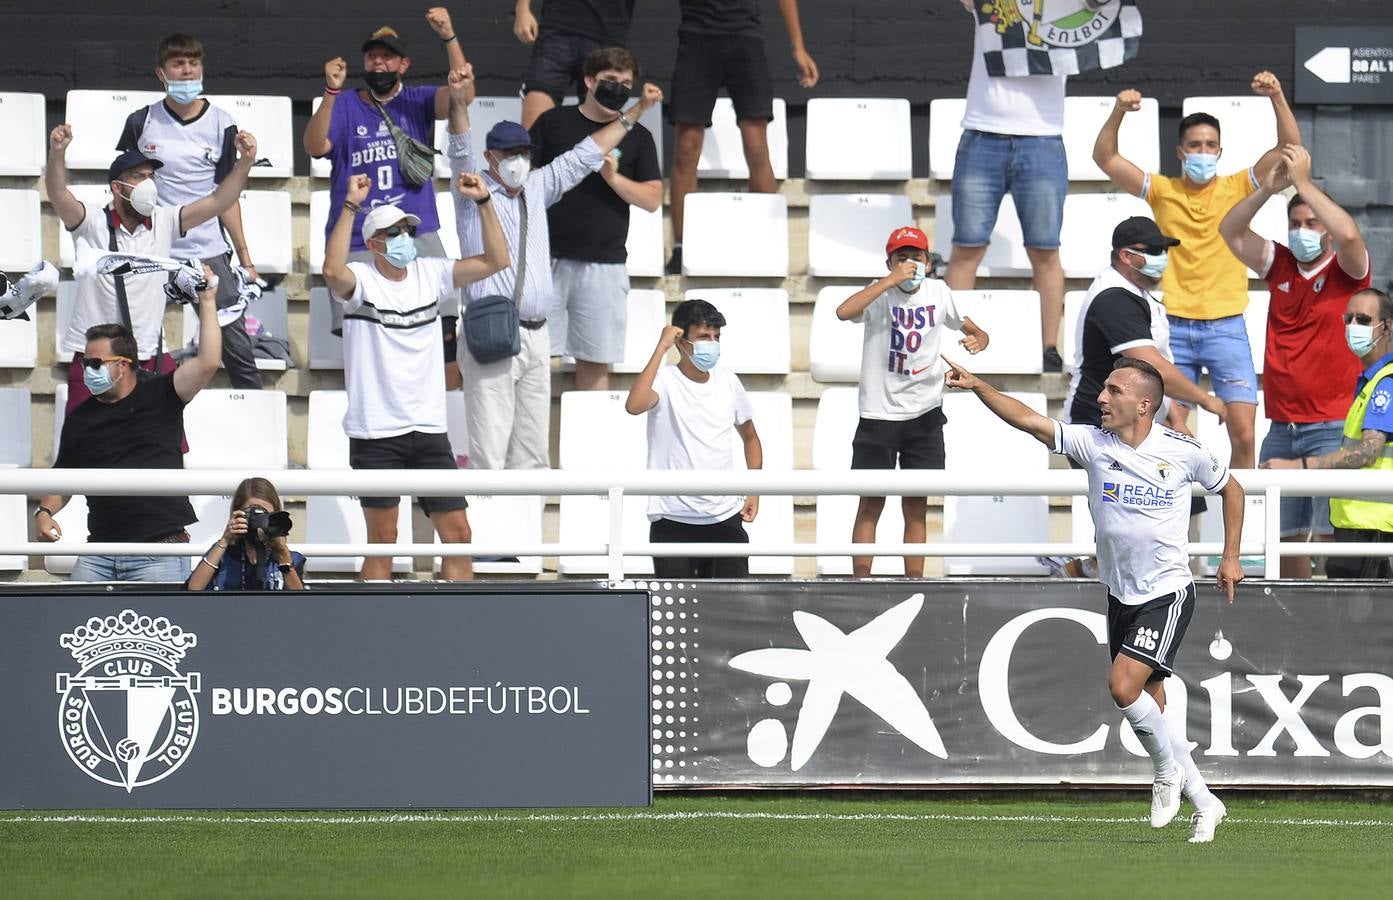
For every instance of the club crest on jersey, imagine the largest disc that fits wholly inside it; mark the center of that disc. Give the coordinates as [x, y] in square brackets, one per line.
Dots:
[1163, 470]
[1380, 401]
[1320, 283]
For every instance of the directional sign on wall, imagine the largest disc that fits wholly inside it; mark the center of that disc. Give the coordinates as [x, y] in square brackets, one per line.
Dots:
[1344, 65]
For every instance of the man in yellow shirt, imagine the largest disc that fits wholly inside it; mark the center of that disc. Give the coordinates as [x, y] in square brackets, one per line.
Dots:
[1205, 285]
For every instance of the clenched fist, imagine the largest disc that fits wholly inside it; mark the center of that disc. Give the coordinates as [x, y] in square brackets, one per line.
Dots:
[335, 73]
[60, 138]
[1129, 100]
[358, 187]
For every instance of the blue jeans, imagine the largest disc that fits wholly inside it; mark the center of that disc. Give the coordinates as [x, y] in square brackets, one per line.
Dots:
[1033, 170]
[1221, 346]
[1296, 440]
[131, 568]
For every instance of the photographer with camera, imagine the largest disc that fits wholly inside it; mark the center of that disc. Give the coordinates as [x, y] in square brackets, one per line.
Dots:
[252, 554]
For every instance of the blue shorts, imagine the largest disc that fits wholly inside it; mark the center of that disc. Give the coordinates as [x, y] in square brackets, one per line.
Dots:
[1297, 440]
[1033, 170]
[1221, 347]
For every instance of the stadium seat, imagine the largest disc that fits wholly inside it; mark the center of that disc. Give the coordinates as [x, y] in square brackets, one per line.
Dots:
[834, 347]
[62, 315]
[646, 318]
[859, 139]
[338, 519]
[94, 197]
[736, 235]
[1255, 319]
[1080, 521]
[723, 154]
[60, 403]
[449, 226]
[1068, 327]
[19, 342]
[846, 232]
[755, 339]
[268, 119]
[945, 127]
[22, 121]
[484, 113]
[270, 311]
[835, 425]
[1215, 438]
[1085, 241]
[1005, 257]
[17, 446]
[326, 348]
[232, 429]
[979, 443]
[266, 223]
[773, 418]
[98, 118]
[1012, 320]
[1246, 125]
[1138, 140]
[598, 435]
[14, 529]
[319, 216]
[645, 243]
[21, 240]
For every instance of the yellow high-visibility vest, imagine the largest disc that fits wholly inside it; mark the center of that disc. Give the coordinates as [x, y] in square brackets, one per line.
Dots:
[1370, 513]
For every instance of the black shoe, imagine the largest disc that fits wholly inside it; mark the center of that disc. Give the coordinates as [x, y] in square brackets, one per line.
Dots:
[674, 263]
[1052, 360]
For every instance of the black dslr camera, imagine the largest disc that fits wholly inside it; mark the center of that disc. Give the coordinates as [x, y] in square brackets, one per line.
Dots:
[272, 524]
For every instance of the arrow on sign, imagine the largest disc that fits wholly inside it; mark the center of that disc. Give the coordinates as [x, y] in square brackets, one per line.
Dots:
[1330, 65]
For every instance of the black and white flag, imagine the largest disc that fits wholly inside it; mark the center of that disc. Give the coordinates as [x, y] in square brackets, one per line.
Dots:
[1056, 37]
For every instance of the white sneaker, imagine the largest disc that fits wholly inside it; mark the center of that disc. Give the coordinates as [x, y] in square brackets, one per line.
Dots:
[1165, 798]
[1205, 821]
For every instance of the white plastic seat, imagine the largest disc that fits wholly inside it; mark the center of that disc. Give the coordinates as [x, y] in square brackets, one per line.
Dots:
[755, 339]
[19, 342]
[1005, 256]
[266, 223]
[234, 429]
[449, 227]
[1011, 320]
[1247, 128]
[17, 445]
[22, 121]
[1069, 328]
[834, 346]
[723, 153]
[834, 427]
[93, 196]
[646, 317]
[270, 311]
[62, 317]
[598, 435]
[1215, 438]
[1255, 320]
[645, 243]
[773, 418]
[859, 139]
[945, 128]
[14, 529]
[1138, 139]
[60, 404]
[1085, 240]
[98, 118]
[21, 240]
[736, 235]
[846, 232]
[319, 216]
[326, 348]
[977, 442]
[268, 119]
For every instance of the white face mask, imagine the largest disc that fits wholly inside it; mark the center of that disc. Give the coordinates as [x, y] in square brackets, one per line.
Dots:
[142, 196]
[513, 170]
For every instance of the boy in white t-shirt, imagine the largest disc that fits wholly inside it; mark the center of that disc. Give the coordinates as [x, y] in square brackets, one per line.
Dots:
[692, 408]
[902, 381]
[392, 361]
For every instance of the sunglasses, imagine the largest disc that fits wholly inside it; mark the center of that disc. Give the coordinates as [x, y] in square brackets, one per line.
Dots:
[96, 362]
[1358, 317]
[397, 230]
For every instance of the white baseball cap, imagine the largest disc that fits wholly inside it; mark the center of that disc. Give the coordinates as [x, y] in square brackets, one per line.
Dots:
[380, 217]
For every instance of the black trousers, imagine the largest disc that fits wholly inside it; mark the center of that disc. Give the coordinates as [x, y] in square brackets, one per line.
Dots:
[731, 531]
[1359, 566]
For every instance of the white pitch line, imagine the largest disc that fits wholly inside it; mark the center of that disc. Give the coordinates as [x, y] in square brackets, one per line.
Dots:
[454, 818]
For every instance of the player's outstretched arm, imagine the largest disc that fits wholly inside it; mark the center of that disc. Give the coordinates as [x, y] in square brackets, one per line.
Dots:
[1010, 410]
[1230, 569]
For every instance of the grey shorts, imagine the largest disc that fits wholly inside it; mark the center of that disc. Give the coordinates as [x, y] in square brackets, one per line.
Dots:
[426, 245]
[591, 309]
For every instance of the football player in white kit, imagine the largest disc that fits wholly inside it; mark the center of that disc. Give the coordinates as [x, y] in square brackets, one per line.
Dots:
[1139, 477]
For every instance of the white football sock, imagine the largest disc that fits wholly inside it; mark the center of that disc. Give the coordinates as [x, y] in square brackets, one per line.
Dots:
[1150, 728]
[1196, 791]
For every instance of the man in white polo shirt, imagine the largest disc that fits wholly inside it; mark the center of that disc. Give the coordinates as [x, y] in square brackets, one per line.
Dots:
[391, 353]
[1139, 478]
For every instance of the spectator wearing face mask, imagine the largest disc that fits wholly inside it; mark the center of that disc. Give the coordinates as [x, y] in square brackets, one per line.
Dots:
[193, 140]
[901, 393]
[508, 400]
[694, 410]
[1308, 375]
[135, 222]
[1205, 286]
[589, 227]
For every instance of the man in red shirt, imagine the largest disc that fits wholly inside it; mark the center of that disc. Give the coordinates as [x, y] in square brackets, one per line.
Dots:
[1308, 372]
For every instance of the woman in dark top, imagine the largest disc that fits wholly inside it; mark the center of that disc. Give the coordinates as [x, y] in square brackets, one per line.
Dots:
[252, 555]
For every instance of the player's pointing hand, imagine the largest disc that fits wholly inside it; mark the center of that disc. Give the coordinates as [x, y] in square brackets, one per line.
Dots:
[958, 377]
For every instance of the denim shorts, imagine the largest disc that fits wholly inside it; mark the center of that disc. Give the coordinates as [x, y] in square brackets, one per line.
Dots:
[1033, 170]
[1221, 347]
[1297, 440]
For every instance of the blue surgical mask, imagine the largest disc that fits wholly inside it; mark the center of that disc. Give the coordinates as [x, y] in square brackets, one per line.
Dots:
[1305, 244]
[98, 380]
[910, 285]
[1201, 167]
[184, 91]
[1360, 338]
[401, 250]
[1154, 264]
[705, 354]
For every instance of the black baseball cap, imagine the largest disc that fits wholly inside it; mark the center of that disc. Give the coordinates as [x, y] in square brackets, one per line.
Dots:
[387, 37]
[128, 160]
[1140, 230]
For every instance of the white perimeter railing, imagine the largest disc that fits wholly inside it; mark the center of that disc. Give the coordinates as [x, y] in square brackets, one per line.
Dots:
[1272, 485]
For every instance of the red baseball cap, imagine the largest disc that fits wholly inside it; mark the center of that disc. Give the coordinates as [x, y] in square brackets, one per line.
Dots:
[906, 237]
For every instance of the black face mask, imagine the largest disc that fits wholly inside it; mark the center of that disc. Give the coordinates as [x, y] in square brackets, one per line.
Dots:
[611, 94]
[380, 83]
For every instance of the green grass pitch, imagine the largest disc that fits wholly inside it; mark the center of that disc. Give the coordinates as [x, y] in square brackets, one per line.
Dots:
[1073, 845]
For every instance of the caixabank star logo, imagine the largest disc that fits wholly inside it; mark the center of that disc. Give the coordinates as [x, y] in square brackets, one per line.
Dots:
[128, 717]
